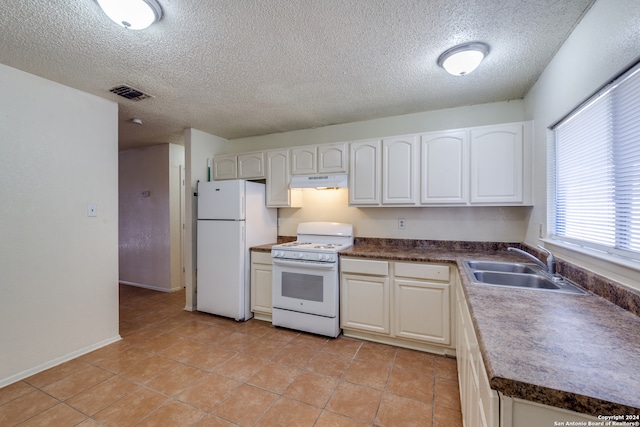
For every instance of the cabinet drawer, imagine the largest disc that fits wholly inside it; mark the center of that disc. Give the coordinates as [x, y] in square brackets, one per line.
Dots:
[423, 271]
[364, 266]
[261, 257]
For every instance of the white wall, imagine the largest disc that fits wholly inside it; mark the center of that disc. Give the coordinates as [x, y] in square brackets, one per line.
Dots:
[176, 214]
[451, 118]
[199, 146]
[606, 41]
[474, 224]
[58, 267]
[503, 224]
[149, 251]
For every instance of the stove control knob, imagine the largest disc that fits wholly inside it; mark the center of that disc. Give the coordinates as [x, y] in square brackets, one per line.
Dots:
[324, 257]
[299, 255]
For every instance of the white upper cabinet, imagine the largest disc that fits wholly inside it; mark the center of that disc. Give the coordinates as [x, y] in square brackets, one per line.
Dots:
[304, 160]
[239, 166]
[444, 167]
[251, 166]
[400, 163]
[317, 159]
[332, 158]
[498, 163]
[225, 167]
[365, 172]
[278, 193]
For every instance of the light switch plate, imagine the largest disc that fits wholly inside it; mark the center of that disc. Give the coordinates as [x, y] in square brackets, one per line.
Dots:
[92, 210]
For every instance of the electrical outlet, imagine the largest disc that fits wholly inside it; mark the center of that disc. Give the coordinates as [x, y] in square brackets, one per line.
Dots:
[402, 223]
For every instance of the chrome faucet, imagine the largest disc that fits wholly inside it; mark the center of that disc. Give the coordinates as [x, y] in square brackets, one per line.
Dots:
[551, 260]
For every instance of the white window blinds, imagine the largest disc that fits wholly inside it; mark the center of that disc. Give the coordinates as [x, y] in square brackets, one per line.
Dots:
[596, 183]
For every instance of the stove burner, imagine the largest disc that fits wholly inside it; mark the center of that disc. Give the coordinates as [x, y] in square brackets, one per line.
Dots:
[294, 244]
[327, 246]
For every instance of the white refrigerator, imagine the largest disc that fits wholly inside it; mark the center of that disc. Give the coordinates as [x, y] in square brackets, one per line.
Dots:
[232, 217]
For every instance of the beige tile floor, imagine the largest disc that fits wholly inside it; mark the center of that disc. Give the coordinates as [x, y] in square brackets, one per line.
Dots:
[176, 368]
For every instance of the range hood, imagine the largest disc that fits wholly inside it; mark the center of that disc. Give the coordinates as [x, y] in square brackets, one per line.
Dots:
[319, 181]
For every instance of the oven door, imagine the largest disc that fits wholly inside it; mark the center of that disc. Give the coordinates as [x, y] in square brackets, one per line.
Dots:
[306, 287]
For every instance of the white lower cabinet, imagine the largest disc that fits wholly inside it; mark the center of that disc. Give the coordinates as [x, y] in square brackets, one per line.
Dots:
[261, 269]
[402, 303]
[484, 407]
[364, 295]
[421, 302]
[479, 403]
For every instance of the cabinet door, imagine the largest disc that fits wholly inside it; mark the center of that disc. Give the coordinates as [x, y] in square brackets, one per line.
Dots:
[261, 288]
[364, 173]
[251, 166]
[278, 193]
[497, 163]
[364, 303]
[332, 158]
[225, 167]
[422, 310]
[303, 160]
[400, 170]
[445, 167]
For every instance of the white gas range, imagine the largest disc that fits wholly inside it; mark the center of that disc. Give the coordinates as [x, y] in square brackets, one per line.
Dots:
[306, 278]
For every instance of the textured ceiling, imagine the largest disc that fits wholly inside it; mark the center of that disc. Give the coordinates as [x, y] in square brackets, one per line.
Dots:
[237, 68]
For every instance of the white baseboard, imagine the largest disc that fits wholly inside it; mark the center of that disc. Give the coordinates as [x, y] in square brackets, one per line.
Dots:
[57, 361]
[152, 287]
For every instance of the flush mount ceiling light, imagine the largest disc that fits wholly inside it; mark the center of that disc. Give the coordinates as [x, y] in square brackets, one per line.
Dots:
[462, 59]
[132, 14]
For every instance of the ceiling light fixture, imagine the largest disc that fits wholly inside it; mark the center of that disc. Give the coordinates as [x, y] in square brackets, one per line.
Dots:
[462, 59]
[132, 14]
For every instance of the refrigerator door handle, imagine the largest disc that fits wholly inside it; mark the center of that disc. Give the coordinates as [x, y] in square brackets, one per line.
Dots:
[243, 231]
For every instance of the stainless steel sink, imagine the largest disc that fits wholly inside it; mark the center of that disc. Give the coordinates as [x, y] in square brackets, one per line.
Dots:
[509, 267]
[519, 276]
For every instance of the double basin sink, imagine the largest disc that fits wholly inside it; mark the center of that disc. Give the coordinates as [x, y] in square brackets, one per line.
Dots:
[518, 275]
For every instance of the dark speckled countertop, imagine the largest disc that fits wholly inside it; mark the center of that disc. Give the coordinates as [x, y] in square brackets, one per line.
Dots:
[578, 352]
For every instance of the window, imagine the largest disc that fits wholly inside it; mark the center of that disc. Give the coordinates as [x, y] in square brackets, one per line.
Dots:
[595, 182]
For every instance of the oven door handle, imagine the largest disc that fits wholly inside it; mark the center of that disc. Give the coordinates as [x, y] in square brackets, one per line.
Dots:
[305, 264]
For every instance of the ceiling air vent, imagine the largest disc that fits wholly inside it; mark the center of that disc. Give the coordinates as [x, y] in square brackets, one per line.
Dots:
[129, 93]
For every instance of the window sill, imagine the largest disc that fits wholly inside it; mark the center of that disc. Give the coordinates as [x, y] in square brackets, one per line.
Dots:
[618, 268]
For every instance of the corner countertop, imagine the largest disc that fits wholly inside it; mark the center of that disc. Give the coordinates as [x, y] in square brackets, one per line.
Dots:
[577, 352]
[263, 248]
